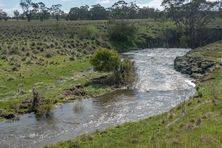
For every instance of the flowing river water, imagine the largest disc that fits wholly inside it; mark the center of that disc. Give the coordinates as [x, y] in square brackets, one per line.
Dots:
[158, 89]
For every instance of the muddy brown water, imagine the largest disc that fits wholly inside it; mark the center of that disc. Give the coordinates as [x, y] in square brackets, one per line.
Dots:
[158, 89]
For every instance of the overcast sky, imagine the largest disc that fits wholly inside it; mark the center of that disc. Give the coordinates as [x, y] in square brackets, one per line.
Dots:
[10, 5]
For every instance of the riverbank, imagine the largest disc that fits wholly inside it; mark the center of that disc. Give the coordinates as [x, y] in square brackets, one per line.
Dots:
[59, 82]
[53, 56]
[195, 123]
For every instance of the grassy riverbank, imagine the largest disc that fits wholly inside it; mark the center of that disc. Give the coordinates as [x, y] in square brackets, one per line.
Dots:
[199, 126]
[51, 81]
[53, 56]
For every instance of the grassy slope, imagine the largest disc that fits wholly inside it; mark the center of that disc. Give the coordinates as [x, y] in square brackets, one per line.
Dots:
[201, 126]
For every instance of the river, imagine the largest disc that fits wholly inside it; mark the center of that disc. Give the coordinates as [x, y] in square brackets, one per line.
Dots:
[158, 89]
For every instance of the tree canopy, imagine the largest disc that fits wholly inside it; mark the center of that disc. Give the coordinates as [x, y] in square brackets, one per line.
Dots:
[191, 18]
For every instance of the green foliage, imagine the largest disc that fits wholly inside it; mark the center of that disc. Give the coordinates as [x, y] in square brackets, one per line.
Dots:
[125, 73]
[105, 60]
[191, 18]
[44, 110]
[184, 41]
[122, 34]
[109, 61]
[88, 32]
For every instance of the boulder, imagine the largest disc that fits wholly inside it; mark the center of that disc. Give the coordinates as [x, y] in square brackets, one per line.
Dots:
[194, 66]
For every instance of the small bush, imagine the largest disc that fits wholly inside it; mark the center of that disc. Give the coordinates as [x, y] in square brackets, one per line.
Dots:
[40, 106]
[109, 61]
[125, 73]
[105, 60]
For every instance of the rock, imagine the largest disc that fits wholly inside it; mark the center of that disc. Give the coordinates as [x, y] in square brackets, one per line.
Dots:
[9, 116]
[196, 67]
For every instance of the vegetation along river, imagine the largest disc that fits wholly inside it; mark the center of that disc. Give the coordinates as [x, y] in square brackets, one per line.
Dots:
[158, 89]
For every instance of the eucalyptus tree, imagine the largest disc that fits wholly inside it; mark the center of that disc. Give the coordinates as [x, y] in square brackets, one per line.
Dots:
[98, 12]
[74, 13]
[119, 9]
[3, 15]
[146, 12]
[190, 17]
[84, 12]
[16, 14]
[43, 11]
[56, 11]
[27, 8]
[132, 11]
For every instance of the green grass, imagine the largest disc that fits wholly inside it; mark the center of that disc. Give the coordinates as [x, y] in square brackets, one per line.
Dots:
[201, 126]
[50, 80]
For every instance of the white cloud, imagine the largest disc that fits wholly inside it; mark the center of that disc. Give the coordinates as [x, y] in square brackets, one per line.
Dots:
[157, 4]
[153, 4]
[104, 1]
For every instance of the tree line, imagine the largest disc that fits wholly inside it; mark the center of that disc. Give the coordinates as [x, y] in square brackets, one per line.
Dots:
[119, 10]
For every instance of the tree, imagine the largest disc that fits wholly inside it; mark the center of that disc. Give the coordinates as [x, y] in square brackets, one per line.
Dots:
[98, 12]
[16, 14]
[27, 8]
[56, 11]
[119, 9]
[84, 12]
[74, 13]
[191, 18]
[146, 12]
[3, 15]
[132, 11]
[43, 11]
[220, 5]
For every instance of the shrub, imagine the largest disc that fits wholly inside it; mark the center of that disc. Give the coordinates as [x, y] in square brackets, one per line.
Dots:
[109, 61]
[40, 106]
[48, 54]
[125, 73]
[105, 60]
[122, 34]
[89, 32]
